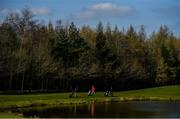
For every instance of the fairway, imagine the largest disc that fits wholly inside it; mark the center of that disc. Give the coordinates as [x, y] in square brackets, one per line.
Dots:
[165, 93]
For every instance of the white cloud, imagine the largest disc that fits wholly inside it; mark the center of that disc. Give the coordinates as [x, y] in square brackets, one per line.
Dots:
[35, 11]
[41, 11]
[103, 10]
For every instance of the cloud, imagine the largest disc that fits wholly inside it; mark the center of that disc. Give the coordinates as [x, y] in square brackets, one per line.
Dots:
[41, 11]
[103, 10]
[35, 11]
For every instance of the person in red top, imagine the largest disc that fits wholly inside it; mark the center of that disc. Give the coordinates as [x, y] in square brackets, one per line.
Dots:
[93, 89]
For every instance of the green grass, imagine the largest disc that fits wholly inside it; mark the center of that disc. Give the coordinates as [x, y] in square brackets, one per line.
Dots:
[172, 92]
[10, 115]
[166, 93]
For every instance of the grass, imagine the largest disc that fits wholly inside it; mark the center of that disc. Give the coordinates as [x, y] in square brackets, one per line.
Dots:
[10, 115]
[165, 93]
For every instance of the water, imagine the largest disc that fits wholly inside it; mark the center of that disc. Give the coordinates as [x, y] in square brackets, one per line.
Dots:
[106, 110]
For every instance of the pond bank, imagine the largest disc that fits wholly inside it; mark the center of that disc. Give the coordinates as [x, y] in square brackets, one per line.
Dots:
[165, 93]
[61, 102]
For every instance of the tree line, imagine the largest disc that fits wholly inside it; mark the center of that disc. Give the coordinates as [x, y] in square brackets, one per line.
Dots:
[36, 56]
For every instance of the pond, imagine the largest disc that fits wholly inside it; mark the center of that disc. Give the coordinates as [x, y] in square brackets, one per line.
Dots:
[107, 110]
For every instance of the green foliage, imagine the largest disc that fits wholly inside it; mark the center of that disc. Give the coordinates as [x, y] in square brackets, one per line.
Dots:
[101, 47]
[8, 46]
[162, 70]
[68, 45]
[34, 56]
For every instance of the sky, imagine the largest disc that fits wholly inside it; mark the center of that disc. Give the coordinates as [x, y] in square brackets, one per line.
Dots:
[123, 13]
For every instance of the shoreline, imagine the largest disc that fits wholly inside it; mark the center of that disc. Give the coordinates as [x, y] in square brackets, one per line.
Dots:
[70, 101]
[164, 93]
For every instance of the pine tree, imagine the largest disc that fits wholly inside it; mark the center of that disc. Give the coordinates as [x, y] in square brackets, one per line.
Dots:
[162, 70]
[101, 47]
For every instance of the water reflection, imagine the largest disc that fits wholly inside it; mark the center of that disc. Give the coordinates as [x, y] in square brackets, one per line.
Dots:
[116, 109]
[91, 109]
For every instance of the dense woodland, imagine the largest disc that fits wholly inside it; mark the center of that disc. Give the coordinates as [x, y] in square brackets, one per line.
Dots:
[36, 56]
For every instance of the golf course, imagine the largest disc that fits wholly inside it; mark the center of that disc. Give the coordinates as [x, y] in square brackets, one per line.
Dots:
[89, 59]
[164, 93]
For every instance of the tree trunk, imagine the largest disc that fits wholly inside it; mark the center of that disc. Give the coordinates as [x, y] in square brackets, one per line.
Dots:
[11, 78]
[42, 84]
[46, 84]
[22, 84]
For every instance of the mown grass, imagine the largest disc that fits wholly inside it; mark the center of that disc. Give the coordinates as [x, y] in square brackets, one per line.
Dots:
[166, 93]
[10, 115]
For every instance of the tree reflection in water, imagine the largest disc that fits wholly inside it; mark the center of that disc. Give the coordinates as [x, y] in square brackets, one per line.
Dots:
[91, 109]
[108, 110]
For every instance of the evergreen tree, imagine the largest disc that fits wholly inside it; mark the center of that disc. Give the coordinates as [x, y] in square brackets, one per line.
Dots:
[101, 47]
[162, 70]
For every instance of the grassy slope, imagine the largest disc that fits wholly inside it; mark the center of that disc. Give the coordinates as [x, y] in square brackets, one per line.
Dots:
[159, 93]
[10, 115]
[164, 92]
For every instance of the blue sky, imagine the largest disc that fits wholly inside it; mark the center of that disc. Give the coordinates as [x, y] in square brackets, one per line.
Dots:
[150, 13]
